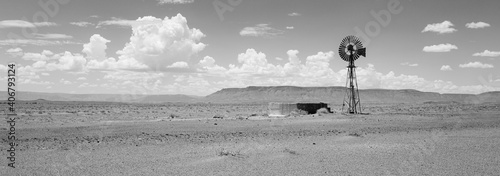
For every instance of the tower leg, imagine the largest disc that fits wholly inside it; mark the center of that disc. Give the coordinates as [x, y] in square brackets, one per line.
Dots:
[352, 99]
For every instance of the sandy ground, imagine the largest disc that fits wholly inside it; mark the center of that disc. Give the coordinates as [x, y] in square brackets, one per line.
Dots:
[451, 143]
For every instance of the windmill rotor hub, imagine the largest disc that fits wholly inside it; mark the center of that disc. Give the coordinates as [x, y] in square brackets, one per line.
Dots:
[350, 48]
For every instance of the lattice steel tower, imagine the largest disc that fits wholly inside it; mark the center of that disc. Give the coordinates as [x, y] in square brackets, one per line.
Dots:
[350, 49]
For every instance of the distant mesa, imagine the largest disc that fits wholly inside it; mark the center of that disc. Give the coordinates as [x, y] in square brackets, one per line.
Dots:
[267, 94]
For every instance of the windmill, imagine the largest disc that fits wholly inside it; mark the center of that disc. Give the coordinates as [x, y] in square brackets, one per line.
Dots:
[350, 49]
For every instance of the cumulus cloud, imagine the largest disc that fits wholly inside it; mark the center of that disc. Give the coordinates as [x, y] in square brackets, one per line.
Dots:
[487, 53]
[179, 65]
[47, 61]
[475, 65]
[23, 24]
[116, 64]
[474, 25]
[68, 62]
[253, 69]
[175, 1]
[446, 68]
[441, 28]
[294, 14]
[253, 63]
[155, 44]
[162, 44]
[290, 27]
[260, 30]
[96, 48]
[207, 64]
[440, 48]
[45, 55]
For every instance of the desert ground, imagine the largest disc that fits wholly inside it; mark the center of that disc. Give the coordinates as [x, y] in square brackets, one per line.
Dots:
[97, 138]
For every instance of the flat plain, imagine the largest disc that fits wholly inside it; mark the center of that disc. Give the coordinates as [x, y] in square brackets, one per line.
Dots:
[99, 138]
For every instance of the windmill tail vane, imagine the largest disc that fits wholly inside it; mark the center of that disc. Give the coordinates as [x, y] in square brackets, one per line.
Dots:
[351, 49]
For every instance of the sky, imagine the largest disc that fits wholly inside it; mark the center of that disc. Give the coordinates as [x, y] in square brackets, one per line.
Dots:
[197, 47]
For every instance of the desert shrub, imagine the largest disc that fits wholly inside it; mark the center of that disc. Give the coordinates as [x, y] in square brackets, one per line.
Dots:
[218, 117]
[293, 152]
[242, 118]
[225, 152]
[322, 111]
[173, 116]
[356, 134]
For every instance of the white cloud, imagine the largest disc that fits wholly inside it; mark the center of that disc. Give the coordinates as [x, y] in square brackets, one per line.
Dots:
[45, 74]
[83, 85]
[487, 53]
[23, 42]
[294, 14]
[62, 62]
[3, 68]
[45, 55]
[477, 25]
[440, 48]
[207, 61]
[253, 63]
[208, 65]
[114, 64]
[179, 65]
[23, 24]
[64, 81]
[130, 23]
[175, 1]
[255, 70]
[52, 36]
[133, 82]
[68, 62]
[30, 81]
[446, 68]
[409, 64]
[15, 52]
[162, 44]
[81, 78]
[96, 48]
[442, 28]
[81, 23]
[290, 27]
[260, 30]
[475, 65]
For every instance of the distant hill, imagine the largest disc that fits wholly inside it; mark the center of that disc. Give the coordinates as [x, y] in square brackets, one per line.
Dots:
[336, 95]
[100, 97]
[289, 94]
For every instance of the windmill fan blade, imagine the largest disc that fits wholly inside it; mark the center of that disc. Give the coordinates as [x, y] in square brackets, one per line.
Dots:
[361, 51]
[351, 48]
